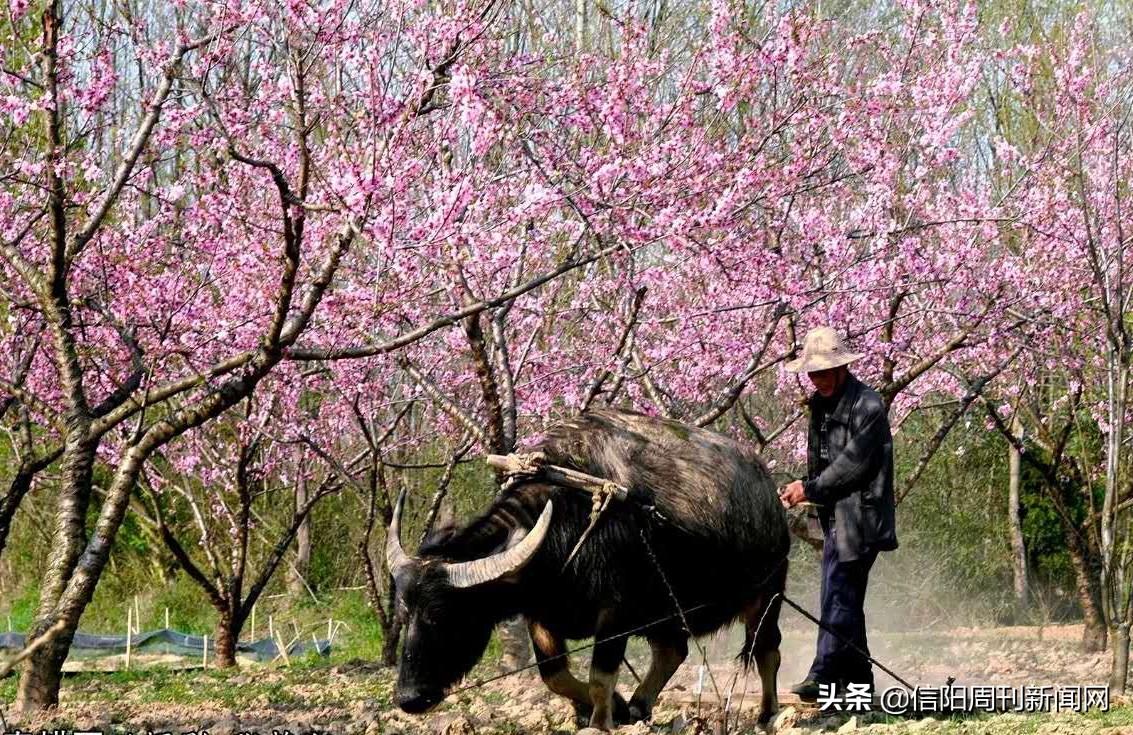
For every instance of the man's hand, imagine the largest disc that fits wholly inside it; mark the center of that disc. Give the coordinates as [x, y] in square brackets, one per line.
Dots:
[792, 494]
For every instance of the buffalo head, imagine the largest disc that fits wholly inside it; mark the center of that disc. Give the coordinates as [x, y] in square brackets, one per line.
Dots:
[447, 609]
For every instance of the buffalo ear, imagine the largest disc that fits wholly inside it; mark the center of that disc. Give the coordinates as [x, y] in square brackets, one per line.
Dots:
[501, 564]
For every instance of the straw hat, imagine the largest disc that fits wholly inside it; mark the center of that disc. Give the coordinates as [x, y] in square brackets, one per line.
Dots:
[823, 349]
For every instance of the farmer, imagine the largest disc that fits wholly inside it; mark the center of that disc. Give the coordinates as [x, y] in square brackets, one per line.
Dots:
[850, 480]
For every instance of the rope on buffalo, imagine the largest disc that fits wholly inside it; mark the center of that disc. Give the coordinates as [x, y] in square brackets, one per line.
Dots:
[519, 467]
[703, 654]
[842, 640]
[680, 613]
[684, 621]
[677, 604]
[624, 634]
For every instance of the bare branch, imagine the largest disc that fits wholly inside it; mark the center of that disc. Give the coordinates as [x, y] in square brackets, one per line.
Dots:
[624, 341]
[660, 398]
[443, 485]
[753, 368]
[43, 640]
[975, 390]
[137, 143]
[443, 402]
[316, 353]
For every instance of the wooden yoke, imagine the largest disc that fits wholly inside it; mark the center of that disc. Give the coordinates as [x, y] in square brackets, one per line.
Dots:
[527, 465]
[533, 464]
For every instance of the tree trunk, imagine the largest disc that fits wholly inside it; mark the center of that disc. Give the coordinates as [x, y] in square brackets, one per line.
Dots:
[10, 503]
[392, 634]
[69, 534]
[516, 642]
[227, 633]
[42, 672]
[1119, 670]
[1115, 584]
[72, 573]
[391, 621]
[1018, 548]
[297, 582]
[579, 26]
[1087, 582]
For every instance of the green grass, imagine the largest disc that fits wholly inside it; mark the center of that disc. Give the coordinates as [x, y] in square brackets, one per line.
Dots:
[21, 609]
[361, 635]
[236, 689]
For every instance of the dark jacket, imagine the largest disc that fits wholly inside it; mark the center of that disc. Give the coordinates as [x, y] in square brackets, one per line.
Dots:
[856, 485]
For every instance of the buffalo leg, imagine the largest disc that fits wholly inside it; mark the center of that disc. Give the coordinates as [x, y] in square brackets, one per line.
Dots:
[668, 655]
[603, 677]
[554, 667]
[762, 645]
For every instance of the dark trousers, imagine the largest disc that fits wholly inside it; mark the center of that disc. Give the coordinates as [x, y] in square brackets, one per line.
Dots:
[843, 611]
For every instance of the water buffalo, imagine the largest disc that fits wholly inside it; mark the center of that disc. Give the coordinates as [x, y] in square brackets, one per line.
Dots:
[722, 544]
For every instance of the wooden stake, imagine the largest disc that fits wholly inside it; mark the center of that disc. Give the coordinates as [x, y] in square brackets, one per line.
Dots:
[205, 660]
[167, 618]
[253, 633]
[129, 634]
[282, 650]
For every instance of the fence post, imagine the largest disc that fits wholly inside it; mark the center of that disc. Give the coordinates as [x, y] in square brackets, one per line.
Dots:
[282, 650]
[129, 633]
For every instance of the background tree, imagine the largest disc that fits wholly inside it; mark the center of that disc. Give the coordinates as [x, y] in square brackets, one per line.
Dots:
[208, 498]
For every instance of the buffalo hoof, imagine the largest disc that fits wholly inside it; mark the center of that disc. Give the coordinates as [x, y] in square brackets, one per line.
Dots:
[582, 714]
[639, 711]
[623, 714]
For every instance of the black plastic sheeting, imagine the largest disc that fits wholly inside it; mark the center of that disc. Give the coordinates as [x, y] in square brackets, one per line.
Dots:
[166, 641]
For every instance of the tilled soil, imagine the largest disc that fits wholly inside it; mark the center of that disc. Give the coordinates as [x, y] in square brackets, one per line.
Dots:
[356, 697]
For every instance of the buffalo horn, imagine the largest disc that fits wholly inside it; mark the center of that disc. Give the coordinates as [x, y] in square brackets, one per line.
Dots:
[515, 557]
[396, 558]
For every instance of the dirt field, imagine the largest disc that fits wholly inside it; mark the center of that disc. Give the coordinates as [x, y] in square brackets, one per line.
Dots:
[355, 697]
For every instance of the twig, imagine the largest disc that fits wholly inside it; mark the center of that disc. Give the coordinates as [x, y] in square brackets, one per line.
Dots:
[31, 648]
